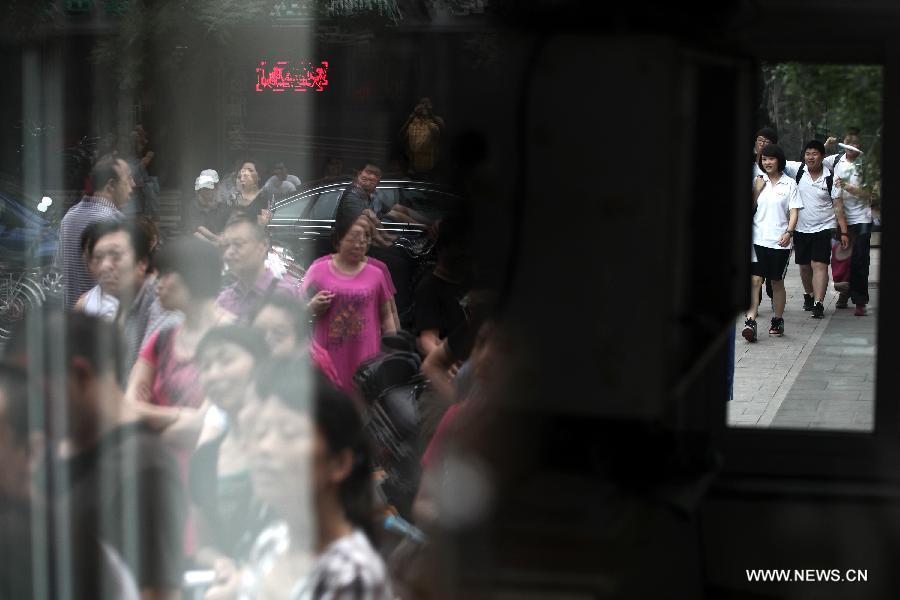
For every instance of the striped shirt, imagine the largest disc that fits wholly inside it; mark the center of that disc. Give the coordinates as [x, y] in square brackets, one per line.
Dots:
[76, 278]
[244, 301]
[349, 569]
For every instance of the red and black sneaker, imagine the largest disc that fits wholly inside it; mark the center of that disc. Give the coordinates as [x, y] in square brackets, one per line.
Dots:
[777, 327]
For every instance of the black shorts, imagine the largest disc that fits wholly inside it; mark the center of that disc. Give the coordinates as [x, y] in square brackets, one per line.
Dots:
[812, 247]
[770, 263]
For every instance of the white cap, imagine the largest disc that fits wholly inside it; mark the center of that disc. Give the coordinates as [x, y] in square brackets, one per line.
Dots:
[208, 179]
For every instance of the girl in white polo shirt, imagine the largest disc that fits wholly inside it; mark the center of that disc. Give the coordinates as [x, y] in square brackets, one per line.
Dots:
[777, 202]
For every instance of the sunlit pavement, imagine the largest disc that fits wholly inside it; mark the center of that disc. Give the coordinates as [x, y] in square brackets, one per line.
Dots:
[820, 375]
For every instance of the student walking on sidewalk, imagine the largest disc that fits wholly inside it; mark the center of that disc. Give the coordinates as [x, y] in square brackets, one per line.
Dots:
[777, 203]
[858, 210]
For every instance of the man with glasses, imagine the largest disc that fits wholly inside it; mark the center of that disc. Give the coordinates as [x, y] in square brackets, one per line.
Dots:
[245, 250]
[764, 137]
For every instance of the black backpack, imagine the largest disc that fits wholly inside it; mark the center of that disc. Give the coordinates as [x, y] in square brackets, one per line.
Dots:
[829, 181]
[386, 370]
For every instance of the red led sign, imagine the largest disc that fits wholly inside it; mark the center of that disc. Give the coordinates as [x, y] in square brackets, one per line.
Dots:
[282, 76]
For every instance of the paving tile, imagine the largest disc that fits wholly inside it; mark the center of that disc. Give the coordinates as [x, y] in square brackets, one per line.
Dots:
[823, 395]
[785, 423]
[826, 385]
[867, 417]
[810, 384]
[745, 419]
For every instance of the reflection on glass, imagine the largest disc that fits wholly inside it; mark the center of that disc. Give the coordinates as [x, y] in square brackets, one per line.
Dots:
[804, 352]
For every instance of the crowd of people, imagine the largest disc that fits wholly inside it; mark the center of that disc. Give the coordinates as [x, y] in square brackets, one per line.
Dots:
[193, 407]
[816, 208]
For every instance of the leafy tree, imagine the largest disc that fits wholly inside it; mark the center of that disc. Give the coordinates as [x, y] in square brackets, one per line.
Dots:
[813, 101]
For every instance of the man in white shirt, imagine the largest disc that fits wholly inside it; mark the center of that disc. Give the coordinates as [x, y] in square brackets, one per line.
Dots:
[858, 210]
[764, 137]
[815, 225]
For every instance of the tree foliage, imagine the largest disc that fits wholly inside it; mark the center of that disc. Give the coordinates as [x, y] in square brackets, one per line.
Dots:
[814, 101]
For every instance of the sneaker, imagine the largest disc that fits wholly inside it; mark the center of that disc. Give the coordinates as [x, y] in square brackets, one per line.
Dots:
[808, 302]
[860, 310]
[749, 331]
[818, 310]
[777, 327]
[842, 300]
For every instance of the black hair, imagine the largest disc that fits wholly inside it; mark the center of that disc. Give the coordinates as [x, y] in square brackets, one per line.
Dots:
[244, 336]
[290, 305]
[769, 133]
[815, 145]
[852, 131]
[198, 263]
[773, 151]
[104, 171]
[369, 163]
[260, 169]
[14, 385]
[239, 217]
[337, 419]
[89, 237]
[138, 237]
[342, 227]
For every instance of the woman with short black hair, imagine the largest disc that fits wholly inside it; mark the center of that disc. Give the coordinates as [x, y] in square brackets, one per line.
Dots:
[311, 463]
[777, 203]
[165, 373]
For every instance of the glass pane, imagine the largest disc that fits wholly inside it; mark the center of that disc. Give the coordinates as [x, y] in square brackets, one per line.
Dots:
[325, 206]
[293, 209]
[805, 358]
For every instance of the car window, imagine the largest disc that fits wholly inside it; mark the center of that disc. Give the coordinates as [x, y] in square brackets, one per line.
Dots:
[294, 209]
[325, 205]
[431, 203]
[389, 195]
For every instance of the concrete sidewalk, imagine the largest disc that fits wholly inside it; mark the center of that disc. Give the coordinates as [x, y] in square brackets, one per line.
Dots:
[820, 375]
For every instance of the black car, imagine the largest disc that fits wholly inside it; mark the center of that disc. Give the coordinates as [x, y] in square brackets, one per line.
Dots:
[303, 224]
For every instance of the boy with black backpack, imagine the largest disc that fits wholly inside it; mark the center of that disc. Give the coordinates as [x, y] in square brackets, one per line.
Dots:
[815, 226]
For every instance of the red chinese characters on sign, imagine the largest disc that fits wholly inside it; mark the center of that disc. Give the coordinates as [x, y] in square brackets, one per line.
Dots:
[282, 76]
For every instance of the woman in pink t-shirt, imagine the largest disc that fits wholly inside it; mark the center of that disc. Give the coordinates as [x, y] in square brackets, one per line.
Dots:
[350, 301]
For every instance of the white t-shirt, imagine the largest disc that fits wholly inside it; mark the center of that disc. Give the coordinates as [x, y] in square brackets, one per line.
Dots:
[856, 209]
[772, 215]
[99, 304]
[818, 208]
[792, 166]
